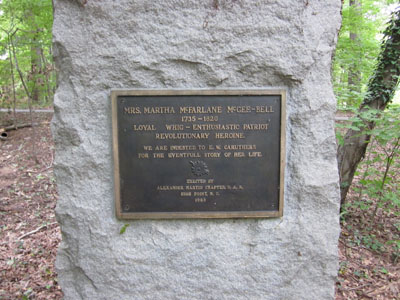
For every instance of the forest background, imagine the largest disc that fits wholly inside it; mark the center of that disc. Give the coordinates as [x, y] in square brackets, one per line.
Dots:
[370, 240]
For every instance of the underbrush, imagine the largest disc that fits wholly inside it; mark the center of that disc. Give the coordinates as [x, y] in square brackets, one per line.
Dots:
[370, 220]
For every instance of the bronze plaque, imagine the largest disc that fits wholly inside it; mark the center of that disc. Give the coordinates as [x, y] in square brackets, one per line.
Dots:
[198, 154]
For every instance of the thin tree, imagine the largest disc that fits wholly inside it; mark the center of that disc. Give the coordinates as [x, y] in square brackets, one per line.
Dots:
[381, 89]
[9, 34]
[28, 94]
[354, 75]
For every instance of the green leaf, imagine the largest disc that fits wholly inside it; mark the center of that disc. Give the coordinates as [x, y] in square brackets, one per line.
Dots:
[123, 229]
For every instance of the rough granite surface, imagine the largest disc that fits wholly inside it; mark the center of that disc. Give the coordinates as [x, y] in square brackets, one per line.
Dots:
[102, 45]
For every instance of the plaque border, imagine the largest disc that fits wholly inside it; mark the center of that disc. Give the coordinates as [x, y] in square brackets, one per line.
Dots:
[115, 93]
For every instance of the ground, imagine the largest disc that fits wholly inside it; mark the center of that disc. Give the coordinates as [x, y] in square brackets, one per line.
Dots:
[29, 234]
[369, 244]
[369, 256]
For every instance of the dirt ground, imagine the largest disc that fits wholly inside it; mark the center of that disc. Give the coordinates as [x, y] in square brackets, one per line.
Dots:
[29, 234]
[369, 258]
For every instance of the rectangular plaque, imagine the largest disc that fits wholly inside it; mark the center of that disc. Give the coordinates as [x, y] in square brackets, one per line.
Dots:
[198, 153]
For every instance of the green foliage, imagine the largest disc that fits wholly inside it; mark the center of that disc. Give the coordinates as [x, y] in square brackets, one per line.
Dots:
[384, 271]
[368, 241]
[384, 81]
[357, 50]
[396, 252]
[356, 122]
[360, 274]
[379, 182]
[25, 27]
[381, 88]
[123, 228]
[381, 166]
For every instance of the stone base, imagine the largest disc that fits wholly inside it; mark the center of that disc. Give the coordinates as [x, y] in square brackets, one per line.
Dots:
[195, 44]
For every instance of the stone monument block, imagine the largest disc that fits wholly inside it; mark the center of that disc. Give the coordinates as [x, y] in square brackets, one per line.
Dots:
[184, 45]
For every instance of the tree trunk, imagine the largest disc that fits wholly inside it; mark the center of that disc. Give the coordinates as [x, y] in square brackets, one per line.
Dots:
[29, 99]
[36, 68]
[12, 80]
[46, 70]
[381, 89]
[354, 74]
